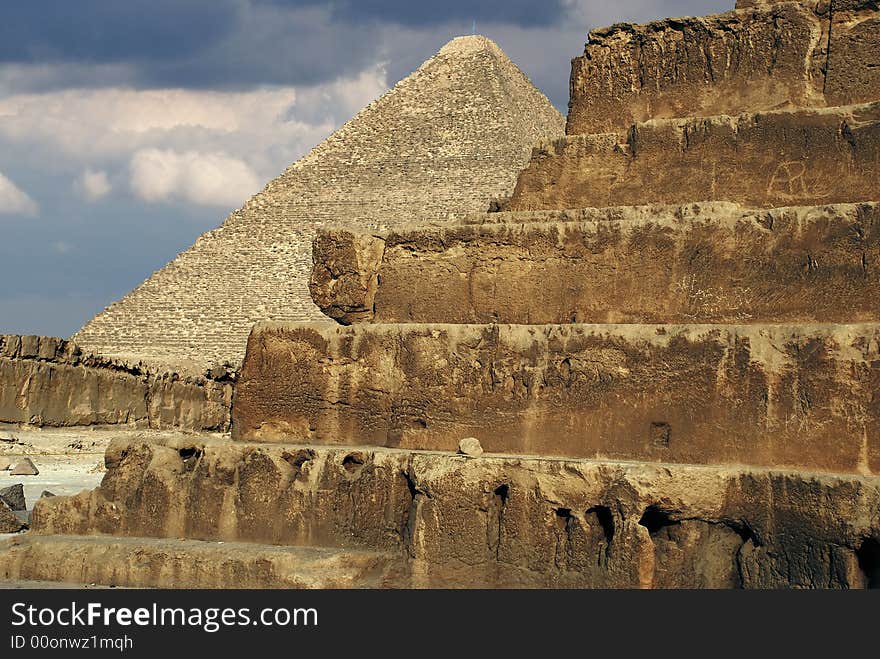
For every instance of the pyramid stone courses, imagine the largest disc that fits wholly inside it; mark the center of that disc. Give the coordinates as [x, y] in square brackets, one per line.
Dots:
[690, 401]
[442, 143]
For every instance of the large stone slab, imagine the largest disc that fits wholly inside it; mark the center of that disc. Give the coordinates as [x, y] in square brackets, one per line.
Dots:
[473, 522]
[751, 394]
[760, 58]
[711, 263]
[804, 157]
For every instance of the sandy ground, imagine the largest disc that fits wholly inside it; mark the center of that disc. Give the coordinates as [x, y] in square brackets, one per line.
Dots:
[69, 459]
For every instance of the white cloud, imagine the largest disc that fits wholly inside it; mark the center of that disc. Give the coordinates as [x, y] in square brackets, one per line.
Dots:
[90, 125]
[14, 200]
[93, 185]
[62, 247]
[206, 179]
[201, 147]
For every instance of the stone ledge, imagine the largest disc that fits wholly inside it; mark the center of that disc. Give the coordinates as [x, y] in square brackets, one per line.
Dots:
[712, 263]
[174, 563]
[46, 381]
[749, 159]
[490, 521]
[794, 395]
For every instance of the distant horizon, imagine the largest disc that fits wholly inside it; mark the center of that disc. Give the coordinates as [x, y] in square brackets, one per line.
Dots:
[121, 147]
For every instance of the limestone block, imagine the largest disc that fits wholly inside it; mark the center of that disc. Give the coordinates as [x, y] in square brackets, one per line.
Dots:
[345, 274]
[751, 159]
[801, 396]
[713, 262]
[765, 56]
[470, 446]
[49, 348]
[11, 344]
[492, 522]
[30, 347]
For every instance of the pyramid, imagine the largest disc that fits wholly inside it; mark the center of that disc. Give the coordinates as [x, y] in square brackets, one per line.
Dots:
[441, 144]
[667, 348]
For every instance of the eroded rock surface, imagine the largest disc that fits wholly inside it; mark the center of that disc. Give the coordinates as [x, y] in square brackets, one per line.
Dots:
[762, 57]
[174, 563]
[701, 263]
[45, 381]
[751, 159]
[496, 521]
[802, 395]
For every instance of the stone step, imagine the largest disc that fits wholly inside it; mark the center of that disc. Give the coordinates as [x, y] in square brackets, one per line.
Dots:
[759, 58]
[781, 158]
[174, 563]
[798, 395]
[714, 264]
[491, 521]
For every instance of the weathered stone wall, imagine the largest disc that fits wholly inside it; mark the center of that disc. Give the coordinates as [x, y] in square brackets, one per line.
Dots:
[492, 521]
[799, 396]
[706, 263]
[762, 57]
[441, 143]
[805, 157]
[45, 381]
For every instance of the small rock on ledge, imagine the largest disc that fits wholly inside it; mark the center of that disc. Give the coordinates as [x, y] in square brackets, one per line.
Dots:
[470, 446]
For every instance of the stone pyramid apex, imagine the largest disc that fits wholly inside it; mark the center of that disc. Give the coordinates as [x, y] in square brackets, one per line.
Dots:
[442, 143]
[469, 44]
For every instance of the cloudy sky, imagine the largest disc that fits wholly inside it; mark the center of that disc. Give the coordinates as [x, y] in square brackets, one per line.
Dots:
[129, 127]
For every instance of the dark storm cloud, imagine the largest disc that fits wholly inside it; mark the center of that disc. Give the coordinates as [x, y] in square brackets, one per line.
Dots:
[112, 30]
[526, 13]
[241, 43]
[232, 43]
